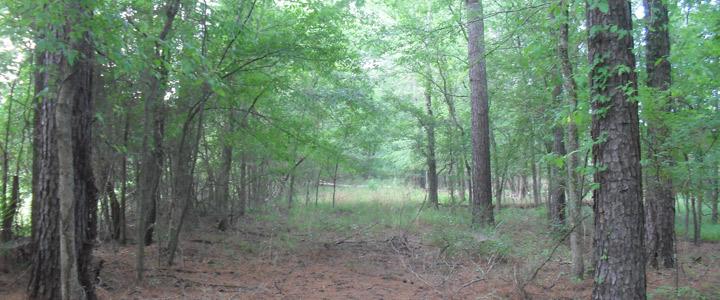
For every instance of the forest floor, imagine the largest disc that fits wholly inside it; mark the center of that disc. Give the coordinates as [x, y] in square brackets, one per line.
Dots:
[374, 250]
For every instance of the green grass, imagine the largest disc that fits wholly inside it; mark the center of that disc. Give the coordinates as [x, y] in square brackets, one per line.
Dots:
[374, 210]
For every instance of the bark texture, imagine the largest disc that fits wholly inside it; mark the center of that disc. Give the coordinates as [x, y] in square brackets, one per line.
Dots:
[64, 193]
[660, 198]
[619, 217]
[482, 210]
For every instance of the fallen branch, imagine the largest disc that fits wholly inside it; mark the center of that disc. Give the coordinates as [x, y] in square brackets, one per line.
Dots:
[559, 242]
[190, 281]
[355, 233]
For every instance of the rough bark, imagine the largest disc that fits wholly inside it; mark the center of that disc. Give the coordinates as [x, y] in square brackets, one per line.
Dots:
[660, 199]
[619, 217]
[482, 211]
[64, 195]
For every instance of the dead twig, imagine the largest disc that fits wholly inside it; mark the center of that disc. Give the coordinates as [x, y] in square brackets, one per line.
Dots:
[205, 284]
[355, 233]
[547, 259]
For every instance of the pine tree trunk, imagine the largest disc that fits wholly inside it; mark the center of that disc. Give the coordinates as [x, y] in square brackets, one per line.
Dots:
[482, 211]
[64, 194]
[660, 200]
[619, 216]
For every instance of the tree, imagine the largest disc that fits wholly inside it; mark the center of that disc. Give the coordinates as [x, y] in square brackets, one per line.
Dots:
[572, 162]
[155, 80]
[557, 183]
[432, 176]
[482, 211]
[619, 255]
[660, 200]
[64, 194]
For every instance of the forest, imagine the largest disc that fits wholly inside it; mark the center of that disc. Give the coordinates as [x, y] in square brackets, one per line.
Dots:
[359, 149]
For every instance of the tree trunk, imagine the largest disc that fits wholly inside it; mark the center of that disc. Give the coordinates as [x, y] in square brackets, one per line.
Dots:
[335, 182]
[714, 198]
[619, 218]
[123, 180]
[687, 216]
[461, 183]
[11, 209]
[535, 183]
[432, 182]
[291, 189]
[523, 187]
[572, 161]
[222, 190]
[317, 186]
[557, 189]
[8, 207]
[183, 183]
[244, 191]
[482, 212]
[308, 181]
[153, 134]
[697, 216]
[660, 200]
[114, 210]
[462, 161]
[65, 198]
